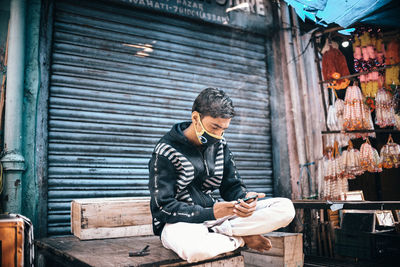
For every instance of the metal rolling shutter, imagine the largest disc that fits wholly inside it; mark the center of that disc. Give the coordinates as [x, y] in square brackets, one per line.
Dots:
[110, 103]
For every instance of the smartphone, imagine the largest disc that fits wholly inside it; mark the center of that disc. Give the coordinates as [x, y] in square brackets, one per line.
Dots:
[249, 198]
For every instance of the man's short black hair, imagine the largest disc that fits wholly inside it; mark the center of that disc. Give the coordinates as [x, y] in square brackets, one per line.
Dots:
[215, 103]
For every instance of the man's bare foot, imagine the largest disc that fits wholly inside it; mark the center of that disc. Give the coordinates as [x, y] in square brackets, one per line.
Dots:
[257, 242]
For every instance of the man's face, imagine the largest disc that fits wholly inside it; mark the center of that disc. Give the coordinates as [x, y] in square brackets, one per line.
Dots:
[216, 126]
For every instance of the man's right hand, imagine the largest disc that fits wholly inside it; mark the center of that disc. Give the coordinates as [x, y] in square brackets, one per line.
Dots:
[222, 209]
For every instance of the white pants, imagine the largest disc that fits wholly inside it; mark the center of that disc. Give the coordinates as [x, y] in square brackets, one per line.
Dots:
[193, 242]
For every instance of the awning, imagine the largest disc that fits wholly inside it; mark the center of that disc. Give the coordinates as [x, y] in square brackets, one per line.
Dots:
[347, 12]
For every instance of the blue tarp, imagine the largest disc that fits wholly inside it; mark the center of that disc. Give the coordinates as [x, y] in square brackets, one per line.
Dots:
[341, 12]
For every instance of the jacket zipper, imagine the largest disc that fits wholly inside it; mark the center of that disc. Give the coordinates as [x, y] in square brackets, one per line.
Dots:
[208, 174]
[205, 163]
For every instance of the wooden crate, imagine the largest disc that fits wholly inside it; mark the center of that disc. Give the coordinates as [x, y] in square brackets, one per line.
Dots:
[11, 242]
[97, 218]
[286, 251]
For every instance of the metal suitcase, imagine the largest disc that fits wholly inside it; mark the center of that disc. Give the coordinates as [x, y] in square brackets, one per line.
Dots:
[11, 241]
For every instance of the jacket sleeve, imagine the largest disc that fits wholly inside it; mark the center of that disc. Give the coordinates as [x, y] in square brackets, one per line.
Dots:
[164, 207]
[232, 187]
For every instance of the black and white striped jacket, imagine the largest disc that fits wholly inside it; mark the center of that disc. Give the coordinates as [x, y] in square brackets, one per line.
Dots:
[182, 178]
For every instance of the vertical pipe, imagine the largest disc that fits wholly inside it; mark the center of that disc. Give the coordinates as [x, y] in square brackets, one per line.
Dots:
[13, 161]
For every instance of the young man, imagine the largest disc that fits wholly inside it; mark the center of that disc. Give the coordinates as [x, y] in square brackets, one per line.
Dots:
[188, 164]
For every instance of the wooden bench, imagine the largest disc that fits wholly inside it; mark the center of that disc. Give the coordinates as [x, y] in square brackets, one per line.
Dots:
[70, 251]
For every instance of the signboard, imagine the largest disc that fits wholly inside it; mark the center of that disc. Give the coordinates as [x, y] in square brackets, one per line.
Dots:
[252, 15]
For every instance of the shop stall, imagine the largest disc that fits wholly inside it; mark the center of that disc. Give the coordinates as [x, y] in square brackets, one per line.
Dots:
[355, 214]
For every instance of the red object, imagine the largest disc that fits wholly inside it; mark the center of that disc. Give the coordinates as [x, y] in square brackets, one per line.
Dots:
[392, 53]
[334, 61]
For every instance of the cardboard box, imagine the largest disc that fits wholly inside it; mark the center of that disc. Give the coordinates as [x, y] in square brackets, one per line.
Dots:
[97, 218]
[286, 251]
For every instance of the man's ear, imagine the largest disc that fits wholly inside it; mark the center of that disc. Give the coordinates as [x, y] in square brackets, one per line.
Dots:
[195, 116]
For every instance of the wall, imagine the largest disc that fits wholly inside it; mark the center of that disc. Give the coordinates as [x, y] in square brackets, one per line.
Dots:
[4, 17]
[30, 186]
[38, 37]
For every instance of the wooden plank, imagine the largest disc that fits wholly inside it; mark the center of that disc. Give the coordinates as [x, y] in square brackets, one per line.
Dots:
[319, 243]
[114, 232]
[111, 199]
[111, 217]
[237, 261]
[293, 248]
[256, 259]
[288, 251]
[116, 214]
[278, 241]
[360, 205]
[76, 218]
[114, 252]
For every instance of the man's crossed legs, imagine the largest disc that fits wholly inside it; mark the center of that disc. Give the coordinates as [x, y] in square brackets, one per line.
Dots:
[200, 241]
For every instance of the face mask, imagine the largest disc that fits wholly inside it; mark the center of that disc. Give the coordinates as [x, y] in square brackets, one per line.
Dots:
[206, 138]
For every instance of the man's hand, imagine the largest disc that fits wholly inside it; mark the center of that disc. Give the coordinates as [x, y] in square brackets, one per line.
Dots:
[222, 209]
[246, 209]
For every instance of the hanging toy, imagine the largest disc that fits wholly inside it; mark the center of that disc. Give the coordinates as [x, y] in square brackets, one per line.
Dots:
[390, 154]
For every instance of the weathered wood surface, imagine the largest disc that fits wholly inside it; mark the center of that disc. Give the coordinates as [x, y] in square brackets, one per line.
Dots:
[347, 204]
[286, 251]
[98, 218]
[115, 252]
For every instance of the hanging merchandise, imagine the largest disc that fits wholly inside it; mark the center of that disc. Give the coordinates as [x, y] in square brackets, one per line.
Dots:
[396, 107]
[368, 55]
[384, 113]
[335, 184]
[351, 162]
[357, 115]
[390, 154]
[334, 66]
[335, 123]
[369, 158]
[397, 121]
[396, 101]
[392, 57]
